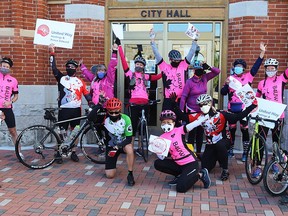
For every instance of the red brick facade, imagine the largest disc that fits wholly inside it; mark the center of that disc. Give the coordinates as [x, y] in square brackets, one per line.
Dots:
[31, 61]
[246, 33]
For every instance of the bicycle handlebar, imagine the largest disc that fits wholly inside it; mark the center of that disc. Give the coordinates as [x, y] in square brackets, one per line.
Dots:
[258, 118]
[150, 102]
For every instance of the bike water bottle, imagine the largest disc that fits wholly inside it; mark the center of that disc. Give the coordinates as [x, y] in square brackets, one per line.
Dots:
[74, 132]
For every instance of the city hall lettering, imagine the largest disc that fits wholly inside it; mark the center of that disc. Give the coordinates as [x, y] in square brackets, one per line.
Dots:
[167, 13]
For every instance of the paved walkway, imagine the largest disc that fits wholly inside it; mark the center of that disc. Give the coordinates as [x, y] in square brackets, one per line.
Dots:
[82, 189]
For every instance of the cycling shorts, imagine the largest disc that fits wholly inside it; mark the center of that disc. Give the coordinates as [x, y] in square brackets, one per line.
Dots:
[69, 113]
[9, 117]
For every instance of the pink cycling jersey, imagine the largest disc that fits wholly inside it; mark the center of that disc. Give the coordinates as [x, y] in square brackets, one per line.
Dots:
[178, 150]
[173, 78]
[106, 84]
[272, 88]
[8, 87]
[244, 79]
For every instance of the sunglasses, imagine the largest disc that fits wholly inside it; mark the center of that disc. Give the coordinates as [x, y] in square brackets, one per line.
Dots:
[114, 113]
[203, 104]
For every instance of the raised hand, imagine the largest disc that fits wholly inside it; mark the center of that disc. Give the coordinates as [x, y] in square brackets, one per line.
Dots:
[80, 61]
[152, 34]
[52, 48]
[263, 46]
[115, 46]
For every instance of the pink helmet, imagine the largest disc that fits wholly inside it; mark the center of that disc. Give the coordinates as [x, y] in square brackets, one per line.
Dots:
[167, 114]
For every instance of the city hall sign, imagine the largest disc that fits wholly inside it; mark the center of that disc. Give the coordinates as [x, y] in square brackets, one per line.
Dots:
[164, 13]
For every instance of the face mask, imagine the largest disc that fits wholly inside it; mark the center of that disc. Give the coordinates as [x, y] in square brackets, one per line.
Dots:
[101, 75]
[114, 118]
[4, 70]
[139, 69]
[175, 64]
[167, 127]
[271, 73]
[205, 109]
[238, 70]
[199, 72]
[70, 71]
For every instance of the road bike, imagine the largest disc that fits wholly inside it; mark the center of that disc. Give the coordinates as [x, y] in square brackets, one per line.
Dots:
[275, 177]
[37, 145]
[257, 153]
[142, 129]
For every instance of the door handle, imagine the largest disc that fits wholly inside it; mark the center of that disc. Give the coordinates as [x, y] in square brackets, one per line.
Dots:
[157, 93]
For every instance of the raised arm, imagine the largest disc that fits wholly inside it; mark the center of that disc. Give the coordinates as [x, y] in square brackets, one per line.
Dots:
[112, 64]
[192, 50]
[259, 60]
[52, 59]
[158, 56]
[85, 72]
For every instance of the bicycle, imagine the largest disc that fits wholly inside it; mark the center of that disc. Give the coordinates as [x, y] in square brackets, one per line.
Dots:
[38, 144]
[255, 153]
[142, 129]
[275, 177]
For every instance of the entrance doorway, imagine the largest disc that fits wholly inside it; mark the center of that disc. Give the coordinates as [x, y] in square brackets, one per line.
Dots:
[168, 36]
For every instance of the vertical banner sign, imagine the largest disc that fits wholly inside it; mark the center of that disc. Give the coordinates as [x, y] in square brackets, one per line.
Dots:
[60, 34]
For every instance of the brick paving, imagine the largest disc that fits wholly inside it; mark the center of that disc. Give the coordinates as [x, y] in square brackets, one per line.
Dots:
[82, 189]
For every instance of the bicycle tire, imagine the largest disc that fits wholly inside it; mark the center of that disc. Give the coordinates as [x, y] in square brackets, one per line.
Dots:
[92, 146]
[251, 163]
[275, 183]
[144, 140]
[36, 146]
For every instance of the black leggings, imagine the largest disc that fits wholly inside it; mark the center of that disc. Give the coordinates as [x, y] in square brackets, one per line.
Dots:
[198, 134]
[135, 114]
[216, 152]
[187, 174]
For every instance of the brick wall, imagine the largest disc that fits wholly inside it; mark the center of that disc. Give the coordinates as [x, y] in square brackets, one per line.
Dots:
[31, 61]
[246, 33]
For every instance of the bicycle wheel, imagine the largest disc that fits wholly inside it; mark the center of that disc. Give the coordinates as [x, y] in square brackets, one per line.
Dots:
[92, 146]
[144, 140]
[253, 157]
[34, 147]
[275, 178]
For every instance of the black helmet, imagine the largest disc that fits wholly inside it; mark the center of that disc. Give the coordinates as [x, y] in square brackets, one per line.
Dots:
[175, 55]
[240, 61]
[7, 60]
[73, 62]
[140, 60]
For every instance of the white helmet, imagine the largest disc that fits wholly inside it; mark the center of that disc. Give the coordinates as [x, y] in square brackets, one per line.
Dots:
[271, 62]
[203, 98]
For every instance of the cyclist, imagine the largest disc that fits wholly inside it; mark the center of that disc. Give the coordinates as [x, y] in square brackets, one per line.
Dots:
[102, 82]
[272, 89]
[182, 164]
[9, 95]
[138, 88]
[173, 74]
[194, 87]
[118, 139]
[70, 90]
[234, 103]
[215, 130]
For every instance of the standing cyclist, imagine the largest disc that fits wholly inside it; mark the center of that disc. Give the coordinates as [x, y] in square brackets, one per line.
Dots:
[234, 103]
[70, 90]
[9, 95]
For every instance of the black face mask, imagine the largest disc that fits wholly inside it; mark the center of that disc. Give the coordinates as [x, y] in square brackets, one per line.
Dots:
[199, 72]
[114, 118]
[175, 64]
[70, 71]
[139, 69]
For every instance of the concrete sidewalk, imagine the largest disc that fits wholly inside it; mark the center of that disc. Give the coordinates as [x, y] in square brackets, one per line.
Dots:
[82, 189]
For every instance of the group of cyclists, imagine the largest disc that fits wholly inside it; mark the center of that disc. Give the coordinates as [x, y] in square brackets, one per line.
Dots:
[187, 108]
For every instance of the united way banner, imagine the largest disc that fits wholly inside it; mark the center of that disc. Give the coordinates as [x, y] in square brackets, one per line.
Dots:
[60, 34]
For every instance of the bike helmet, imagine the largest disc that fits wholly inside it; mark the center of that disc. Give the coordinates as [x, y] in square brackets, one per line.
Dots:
[73, 62]
[240, 61]
[271, 62]
[113, 104]
[197, 65]
[203, 98]
[167, 114]
[7, 60]
[140, 60]
[175, 55]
